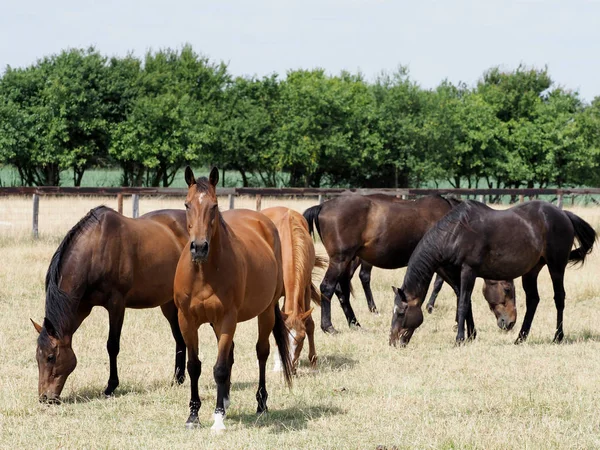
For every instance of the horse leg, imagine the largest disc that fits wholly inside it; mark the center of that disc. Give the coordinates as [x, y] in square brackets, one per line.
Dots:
[344, 281]
[310, 334]
[189, 331]
[266, 323]
[365, 279]
[467, 282]
[226, 400]
[557, 276]
[222, 368]
[532, 298]
[327, 288]
[437, 286]
[170, 312]
[116, 314]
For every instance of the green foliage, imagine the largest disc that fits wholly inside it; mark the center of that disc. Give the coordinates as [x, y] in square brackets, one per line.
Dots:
[150, 116]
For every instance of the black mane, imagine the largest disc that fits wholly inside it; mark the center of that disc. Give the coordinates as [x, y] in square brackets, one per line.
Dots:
[435, 248]
[60, 306]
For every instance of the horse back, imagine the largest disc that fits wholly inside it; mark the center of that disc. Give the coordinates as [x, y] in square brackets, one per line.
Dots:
[137, 258]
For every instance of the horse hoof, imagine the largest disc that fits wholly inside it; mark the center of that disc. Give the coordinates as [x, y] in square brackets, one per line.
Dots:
[219, 424]
[519, 340]
[330, 330]
[429, 309]
[192, 423]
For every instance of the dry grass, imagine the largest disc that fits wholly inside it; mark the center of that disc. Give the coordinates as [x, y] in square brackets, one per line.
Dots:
[488, 394]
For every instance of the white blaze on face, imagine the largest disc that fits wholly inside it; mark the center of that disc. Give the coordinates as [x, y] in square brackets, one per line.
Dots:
[293, 343]
[219, 424]
[201, 197]
[277, 366]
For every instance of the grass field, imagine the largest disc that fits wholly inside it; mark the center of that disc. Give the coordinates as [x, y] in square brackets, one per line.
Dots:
[488, 394]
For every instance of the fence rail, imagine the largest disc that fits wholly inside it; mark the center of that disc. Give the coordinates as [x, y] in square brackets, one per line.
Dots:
[259, 193]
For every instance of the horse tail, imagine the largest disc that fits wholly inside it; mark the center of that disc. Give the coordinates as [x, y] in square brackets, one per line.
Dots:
[312, 217]
[281, 333]
[585, 235]
[315, 294]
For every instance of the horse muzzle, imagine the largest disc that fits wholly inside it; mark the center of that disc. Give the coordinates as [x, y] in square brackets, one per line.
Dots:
[199, 250]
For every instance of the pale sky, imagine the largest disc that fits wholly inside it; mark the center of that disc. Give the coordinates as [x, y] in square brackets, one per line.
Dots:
[457, 40]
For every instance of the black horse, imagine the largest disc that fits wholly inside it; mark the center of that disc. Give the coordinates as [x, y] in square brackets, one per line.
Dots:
[474, 240]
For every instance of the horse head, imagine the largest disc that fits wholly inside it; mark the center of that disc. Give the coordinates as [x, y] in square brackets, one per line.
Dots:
[56, 360]
[202, 212]
[501, 299]
[406, 318]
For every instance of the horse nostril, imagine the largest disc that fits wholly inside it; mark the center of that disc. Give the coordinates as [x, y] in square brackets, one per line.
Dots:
[204, 247]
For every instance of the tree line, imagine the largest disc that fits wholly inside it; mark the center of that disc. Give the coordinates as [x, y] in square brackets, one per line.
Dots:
[150, 116]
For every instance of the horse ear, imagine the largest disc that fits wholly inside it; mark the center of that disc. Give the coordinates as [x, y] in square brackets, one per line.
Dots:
[36, 325]
[306, 314]
[189, 176]
[50, 328]
[396, 290]
[214, 176]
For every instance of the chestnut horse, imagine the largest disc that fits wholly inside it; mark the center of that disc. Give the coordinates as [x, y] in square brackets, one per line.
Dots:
[299, 260]
[381, 232]
[115, 262]
[229, 272]
[474, 240]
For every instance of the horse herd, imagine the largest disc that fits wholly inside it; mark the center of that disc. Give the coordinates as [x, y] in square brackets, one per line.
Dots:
[205, 266]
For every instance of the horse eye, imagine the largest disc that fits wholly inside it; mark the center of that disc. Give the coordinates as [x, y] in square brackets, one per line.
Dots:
[187, 206]
[51, 358]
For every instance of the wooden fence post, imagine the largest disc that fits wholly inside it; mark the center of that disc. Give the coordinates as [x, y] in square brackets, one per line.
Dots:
[258, 201]
[120, 203]
[135, 198]
[231, 201]
[521, 198]
[481, 199]
[36, 213]
[320, 199]
[560, 200]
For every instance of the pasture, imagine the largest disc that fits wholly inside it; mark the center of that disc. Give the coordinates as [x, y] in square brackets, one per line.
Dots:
[364, 394]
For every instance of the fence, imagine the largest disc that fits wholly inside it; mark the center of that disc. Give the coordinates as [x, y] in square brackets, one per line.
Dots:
[259, 193]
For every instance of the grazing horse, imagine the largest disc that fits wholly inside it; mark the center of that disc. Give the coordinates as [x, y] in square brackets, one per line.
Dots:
[381, 232]
[474, 240]
[115, 262]
[299, 259]
[229, 272]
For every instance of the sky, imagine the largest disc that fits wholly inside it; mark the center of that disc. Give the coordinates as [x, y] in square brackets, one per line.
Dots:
[437, 40]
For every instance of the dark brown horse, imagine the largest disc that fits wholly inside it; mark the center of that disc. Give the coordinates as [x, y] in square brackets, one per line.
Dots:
[381, 232]
[474, 240]
[115, 262]
[229, 272]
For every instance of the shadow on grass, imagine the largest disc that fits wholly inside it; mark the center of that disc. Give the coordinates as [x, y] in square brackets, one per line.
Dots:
[285, 420]
[92, 393]
[569, 339]
[333, 363]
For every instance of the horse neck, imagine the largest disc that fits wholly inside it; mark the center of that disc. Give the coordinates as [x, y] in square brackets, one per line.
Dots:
[419, 273]
[63, 305]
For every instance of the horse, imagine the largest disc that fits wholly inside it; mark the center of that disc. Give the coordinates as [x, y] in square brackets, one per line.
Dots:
[230, 271]
[474, 240]
[299, 260]
[115, 262]
[499, 294]
[381, 232]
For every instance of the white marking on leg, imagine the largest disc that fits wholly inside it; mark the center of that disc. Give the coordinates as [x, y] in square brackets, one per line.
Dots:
[218, 425]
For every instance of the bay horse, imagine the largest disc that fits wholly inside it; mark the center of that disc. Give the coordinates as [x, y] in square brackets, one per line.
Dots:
[298, 259]
[381, 232]
[230, 271]
[474, 240]
[115, 262]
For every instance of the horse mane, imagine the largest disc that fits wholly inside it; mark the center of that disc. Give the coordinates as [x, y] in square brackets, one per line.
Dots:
[60, 306]
[434, 249]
